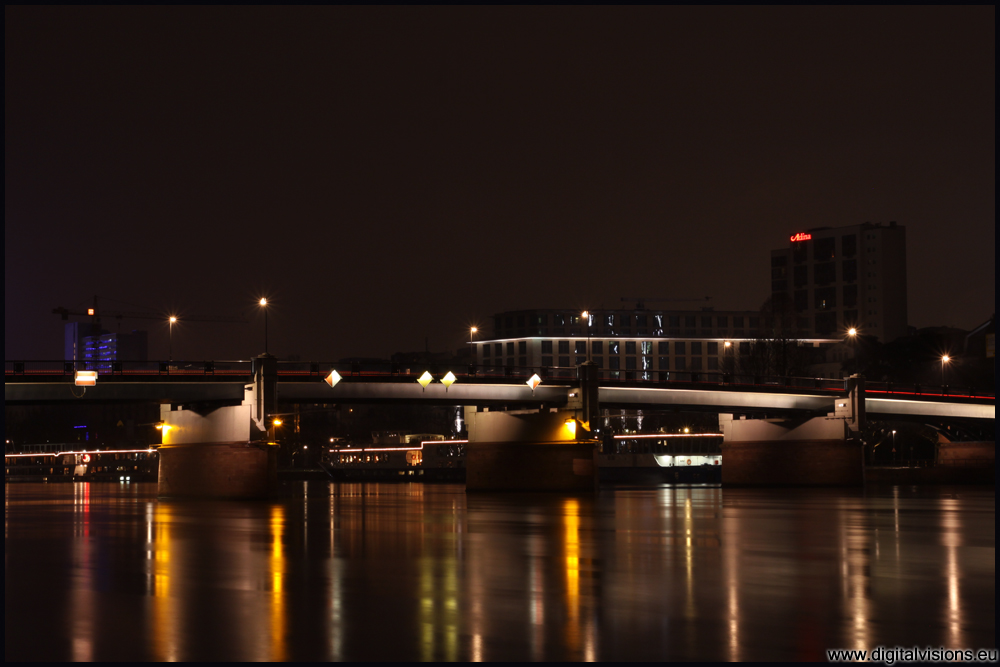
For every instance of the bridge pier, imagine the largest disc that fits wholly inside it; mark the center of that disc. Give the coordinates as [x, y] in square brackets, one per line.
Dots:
[817, 452]
[529, 451]
[222, 452]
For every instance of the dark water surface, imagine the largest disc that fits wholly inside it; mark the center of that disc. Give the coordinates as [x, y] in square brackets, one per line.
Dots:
[425, 572]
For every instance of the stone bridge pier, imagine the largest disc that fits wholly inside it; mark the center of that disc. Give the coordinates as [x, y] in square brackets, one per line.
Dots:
[536, 450]
[821, 451]
[222, 451]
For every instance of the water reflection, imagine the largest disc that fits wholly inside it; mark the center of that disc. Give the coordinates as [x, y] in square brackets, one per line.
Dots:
[164, 621]
[277, 567]
[412, 572]
[82, 605]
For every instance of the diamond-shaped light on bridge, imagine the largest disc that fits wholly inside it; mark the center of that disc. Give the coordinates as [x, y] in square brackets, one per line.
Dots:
[448, 380]
[333, 378]
[425, 380]
[533, 382]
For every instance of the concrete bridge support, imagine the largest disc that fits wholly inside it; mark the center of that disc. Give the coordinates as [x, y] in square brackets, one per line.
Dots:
[529, 451]
[222, 452]
[822, 451]
[536, 451]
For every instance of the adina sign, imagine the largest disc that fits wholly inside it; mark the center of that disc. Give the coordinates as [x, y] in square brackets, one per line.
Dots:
[801, 237]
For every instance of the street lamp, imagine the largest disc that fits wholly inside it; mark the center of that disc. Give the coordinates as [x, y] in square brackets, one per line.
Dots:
[944, 359]
[170, 338]
[586, 323]
[263, 305]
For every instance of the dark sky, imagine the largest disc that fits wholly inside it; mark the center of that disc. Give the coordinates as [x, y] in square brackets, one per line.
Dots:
[389, 174]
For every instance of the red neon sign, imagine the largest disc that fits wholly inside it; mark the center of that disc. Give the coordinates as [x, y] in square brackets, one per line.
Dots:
[801, 237]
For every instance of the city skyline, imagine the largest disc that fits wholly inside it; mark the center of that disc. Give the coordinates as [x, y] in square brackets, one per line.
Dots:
[390, 176]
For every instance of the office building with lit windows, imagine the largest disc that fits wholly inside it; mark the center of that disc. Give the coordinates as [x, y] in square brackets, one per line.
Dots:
[102, 350]
[838, 278]
[628, 344]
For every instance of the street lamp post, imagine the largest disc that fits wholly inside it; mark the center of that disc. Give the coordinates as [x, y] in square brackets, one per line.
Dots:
[472, 337]
[263, 304]
[170, 339]
[944, 360]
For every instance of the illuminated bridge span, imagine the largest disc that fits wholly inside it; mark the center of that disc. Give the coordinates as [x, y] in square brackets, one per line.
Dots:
[225, 382]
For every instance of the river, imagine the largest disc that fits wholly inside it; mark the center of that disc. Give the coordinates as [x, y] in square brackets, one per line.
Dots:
[426, 572]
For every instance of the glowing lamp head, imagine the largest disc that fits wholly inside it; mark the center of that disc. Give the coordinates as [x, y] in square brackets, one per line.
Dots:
[945, 358]
[727, 344]
[425, 379]
[448, 380]
[474, 329]
[333, 378]
[263, 302]
[276, 422]
[172, 319]
[90, 311]
[534, 381]
[85, 379]
[852, 332]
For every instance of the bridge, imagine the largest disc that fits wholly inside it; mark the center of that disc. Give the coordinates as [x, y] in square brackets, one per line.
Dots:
[225, 382]
[216, 416]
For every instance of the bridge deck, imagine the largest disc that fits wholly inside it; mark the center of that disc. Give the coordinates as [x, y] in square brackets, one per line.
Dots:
[49, 382]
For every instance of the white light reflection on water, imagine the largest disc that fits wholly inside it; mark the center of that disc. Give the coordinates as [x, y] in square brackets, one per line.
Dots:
[82, 606]
[335, 582]
[951, 526]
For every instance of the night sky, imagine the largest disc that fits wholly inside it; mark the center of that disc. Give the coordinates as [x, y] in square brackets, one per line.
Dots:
[384, 174]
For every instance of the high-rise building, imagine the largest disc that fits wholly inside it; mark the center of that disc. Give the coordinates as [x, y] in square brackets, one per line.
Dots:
[844, 277]
[74, 338]
[99, 351]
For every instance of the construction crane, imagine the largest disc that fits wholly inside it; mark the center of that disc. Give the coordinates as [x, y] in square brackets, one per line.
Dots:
[640, 303]
[95, 313]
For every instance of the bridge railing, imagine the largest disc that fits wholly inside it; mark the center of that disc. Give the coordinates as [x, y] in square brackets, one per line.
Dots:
[45, 369]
